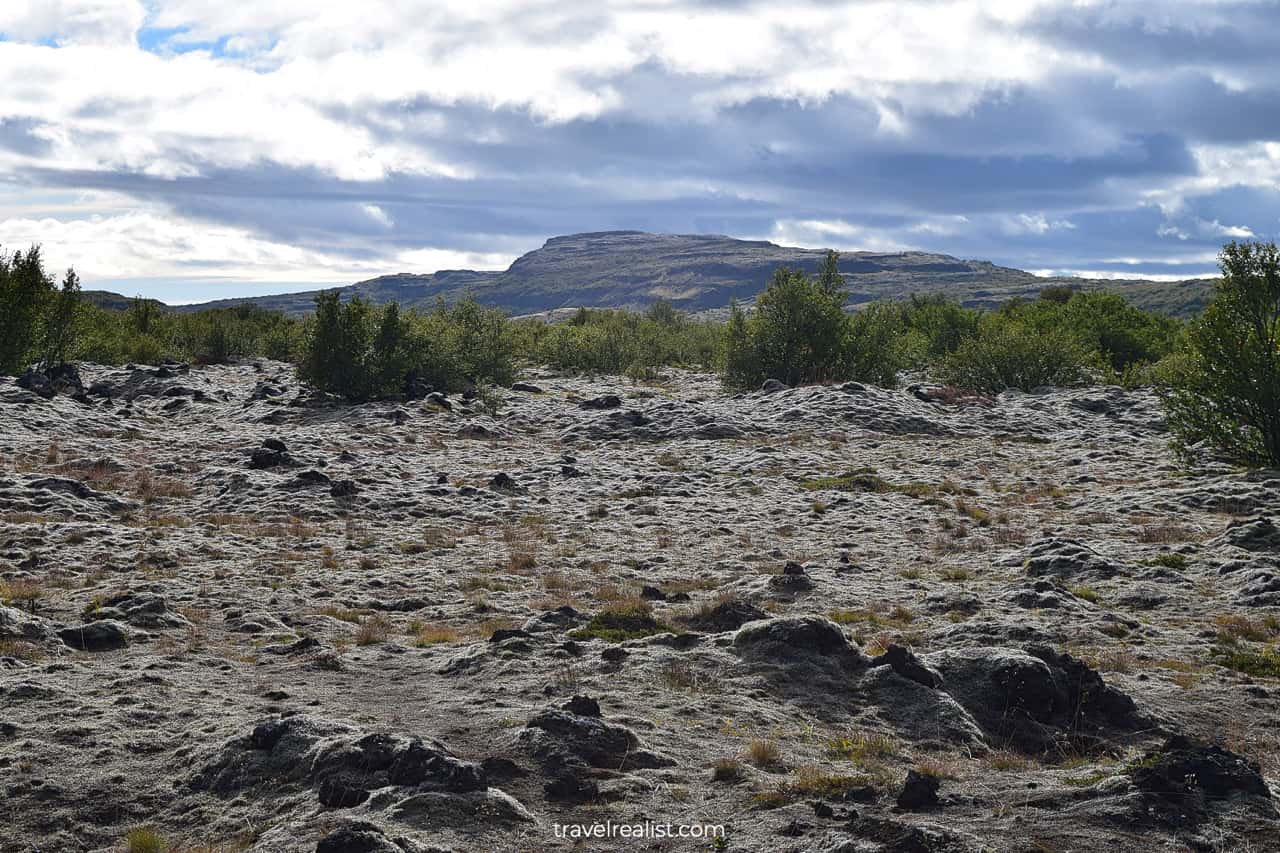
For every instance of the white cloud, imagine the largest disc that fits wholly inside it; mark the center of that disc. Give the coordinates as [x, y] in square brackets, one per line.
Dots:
[1033, 223]
[835, 234]
[378, 215]
[1114, 275]
[1206, 229]
[150, 244]
[72, 21]
[335, 93]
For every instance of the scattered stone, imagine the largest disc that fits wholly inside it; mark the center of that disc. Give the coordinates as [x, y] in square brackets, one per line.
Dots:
[263, 458]
[357, 837]
[558, 737]
[344, 488]
[794, 579]
[919, 792]
[1037, 700]
[725, 616]
[583, 706]
[607, 401]
[906, 664]
[503, 482]
[1255, 534]
[1064, 558]
[1185, 783]
[100, 636]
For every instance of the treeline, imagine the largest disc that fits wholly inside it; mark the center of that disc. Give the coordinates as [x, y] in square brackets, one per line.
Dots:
[1219, 374]
[800, 333]
[44, 325]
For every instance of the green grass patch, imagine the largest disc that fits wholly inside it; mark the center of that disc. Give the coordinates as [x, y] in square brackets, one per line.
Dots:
[866, 480]
[616, 624]
[1087, 593]
[1263, 664]
[1169, 561]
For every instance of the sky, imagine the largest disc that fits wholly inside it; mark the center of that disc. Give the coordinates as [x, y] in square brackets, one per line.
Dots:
[197, 149]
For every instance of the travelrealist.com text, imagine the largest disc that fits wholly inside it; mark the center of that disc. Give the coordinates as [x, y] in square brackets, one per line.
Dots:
[643, 830]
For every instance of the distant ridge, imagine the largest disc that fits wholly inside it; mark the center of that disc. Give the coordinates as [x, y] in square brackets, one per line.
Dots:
[703, 272]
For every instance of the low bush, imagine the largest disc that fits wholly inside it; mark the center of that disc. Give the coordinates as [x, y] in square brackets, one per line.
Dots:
[1010, 354]
[621, 342]
[360, 352]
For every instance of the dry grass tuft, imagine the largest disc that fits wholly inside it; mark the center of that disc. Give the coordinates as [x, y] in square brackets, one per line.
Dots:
[434, 634]
[764, 752]
[374, 630]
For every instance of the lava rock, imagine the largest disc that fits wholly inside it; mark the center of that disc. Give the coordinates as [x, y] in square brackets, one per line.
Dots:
[103, 635]
[1185, 783]
[344, 488]
[918, 792]
[339, 793]
[357, 837]
[904, 662]
[605, 401]
[559, 737]
[583, 706]
[725, 616]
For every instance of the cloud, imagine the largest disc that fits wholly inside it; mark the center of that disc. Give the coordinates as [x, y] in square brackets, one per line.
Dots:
[72, 22]
[338, 139]
[1034, 223]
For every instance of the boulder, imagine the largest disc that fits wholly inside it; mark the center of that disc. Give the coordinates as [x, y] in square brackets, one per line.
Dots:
[1036, 700]
[1185, 783]
[726, 616]
[103, 635]
[558, 737]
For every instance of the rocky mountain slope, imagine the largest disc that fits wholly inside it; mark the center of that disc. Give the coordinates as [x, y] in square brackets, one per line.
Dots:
[632, 269]
[828, 619]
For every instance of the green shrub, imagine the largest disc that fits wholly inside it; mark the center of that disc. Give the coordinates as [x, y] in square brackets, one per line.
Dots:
[874, 348]
[798, 329]
[363, 353]
[338, 347]
[799, 332]
[1225, 390]
[1009, 354]
[935, 326]
[620, 342]
[38, 322]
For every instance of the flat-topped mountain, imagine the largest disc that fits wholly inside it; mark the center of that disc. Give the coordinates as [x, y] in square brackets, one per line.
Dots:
[698, 272]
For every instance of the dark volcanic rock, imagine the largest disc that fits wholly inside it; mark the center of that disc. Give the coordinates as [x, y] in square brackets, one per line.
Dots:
[797, 637]
[918, 792]
[504, 482]
[583, 706]
[1184, 783]
[607, 401]
[1065, 558]
[1254, 534]
[262, 458]
[357, 837]
[98, 636]
[338, 793]
[310, 750]
[807, 658]
[1036, 700]
[725, 616]
[556, 737]
[906, 664]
